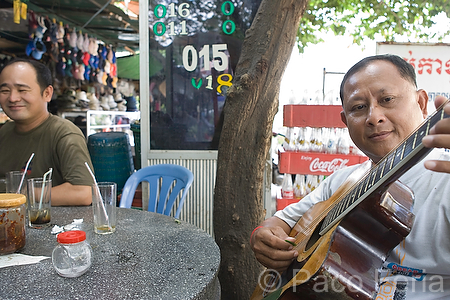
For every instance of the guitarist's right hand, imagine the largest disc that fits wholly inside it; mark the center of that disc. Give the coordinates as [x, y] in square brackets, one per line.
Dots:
[269, 244]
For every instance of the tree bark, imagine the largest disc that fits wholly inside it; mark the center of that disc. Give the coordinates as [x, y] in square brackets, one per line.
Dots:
[250, 107]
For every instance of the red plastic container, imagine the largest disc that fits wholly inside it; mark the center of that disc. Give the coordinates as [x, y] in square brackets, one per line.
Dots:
[297, 115]
[283, 202]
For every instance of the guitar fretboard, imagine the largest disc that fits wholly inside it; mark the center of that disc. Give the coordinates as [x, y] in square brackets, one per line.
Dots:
[388, 169]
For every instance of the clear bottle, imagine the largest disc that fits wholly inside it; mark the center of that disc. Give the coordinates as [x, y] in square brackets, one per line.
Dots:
[299, 186]
[293, 139]
[312, 182]
[316, 140]
[331, 147]
[313, 140]
[73, 256]
[287, 139]
[343, 144]
[287, 189]
[302, 143]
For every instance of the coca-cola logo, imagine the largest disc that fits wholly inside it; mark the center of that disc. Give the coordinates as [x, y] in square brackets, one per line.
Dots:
[327, 166]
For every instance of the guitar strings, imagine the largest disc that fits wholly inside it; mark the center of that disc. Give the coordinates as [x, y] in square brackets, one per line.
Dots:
[312, 226]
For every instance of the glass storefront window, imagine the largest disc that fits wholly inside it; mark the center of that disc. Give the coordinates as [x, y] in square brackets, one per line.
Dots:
[194, 50]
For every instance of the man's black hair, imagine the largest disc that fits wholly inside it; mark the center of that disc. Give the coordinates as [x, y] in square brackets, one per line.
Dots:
[43, 75]
[405, 69]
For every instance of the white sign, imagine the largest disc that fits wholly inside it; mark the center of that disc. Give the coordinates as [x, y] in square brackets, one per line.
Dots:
[431, 62]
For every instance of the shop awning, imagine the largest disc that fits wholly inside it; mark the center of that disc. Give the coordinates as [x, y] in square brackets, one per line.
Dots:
[98, 18]
[128, 67]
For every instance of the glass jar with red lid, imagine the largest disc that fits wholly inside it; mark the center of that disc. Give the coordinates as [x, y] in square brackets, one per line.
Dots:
[73, 255]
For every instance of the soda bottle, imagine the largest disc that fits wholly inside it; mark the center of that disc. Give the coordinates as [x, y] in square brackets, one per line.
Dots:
[302, 144]
[299, 186]
[311, 183]
[343, 144]
[287, 189]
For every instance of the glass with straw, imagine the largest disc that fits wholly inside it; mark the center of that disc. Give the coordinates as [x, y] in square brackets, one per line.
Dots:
[104, 195]
[14, 181]
[39, 200]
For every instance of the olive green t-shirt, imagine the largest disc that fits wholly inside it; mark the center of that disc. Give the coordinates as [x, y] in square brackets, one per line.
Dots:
[57, 143]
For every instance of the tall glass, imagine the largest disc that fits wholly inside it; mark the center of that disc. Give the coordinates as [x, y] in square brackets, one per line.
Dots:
[39, 202]
[104, 197]
[13, 180]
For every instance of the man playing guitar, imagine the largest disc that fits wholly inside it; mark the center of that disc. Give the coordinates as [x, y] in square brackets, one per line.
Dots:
[381, 108]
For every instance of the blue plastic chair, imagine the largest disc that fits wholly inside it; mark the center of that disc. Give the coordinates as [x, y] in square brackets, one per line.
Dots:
[161, 195]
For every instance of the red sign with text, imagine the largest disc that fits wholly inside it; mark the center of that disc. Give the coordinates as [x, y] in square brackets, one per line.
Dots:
[291, 162]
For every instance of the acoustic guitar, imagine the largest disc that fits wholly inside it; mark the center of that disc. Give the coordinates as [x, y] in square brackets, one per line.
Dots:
[342, 242]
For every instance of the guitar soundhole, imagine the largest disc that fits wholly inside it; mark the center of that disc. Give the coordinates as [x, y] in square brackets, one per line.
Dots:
[314, 237]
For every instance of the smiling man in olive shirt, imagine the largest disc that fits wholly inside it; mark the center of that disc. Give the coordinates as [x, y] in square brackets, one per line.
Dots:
[25, 90]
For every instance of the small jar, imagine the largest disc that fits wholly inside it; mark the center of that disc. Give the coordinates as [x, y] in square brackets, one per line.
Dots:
[72, 257]
[12, 222]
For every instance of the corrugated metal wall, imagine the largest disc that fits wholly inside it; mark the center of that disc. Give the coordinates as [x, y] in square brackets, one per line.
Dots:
[198, 206]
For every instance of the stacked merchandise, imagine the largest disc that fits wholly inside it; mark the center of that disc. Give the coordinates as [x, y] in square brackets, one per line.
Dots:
[316, 144]
[70, 53]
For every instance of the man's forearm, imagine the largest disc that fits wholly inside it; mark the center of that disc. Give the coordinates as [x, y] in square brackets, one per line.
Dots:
[67, 194]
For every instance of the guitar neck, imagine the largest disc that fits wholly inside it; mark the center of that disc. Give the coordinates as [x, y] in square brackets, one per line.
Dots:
[388, 170]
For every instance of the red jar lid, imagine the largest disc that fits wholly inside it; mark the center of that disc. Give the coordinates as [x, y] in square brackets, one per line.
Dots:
[71, 237]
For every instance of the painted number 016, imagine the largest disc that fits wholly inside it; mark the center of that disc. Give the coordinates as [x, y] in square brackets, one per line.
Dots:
[191, 57]
[160, 11]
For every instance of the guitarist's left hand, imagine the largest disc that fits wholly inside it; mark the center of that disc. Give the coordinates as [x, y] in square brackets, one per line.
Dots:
[439, 137]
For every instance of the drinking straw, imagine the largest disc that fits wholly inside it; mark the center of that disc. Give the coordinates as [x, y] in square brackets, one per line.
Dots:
[24, 173]
[99, 194]
[44, 178]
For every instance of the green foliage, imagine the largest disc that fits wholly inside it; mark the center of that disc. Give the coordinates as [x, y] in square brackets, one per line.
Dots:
[368, 18]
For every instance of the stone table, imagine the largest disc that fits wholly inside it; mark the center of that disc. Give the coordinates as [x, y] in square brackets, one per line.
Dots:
[150, 256]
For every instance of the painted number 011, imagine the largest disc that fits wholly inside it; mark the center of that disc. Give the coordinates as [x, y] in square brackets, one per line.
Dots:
[191, 57]
[160, 11]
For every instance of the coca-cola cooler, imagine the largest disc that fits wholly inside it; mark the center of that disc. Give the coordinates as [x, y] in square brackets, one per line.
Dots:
[312, 163]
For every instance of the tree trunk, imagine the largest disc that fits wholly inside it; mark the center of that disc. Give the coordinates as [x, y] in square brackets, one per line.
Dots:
[248, 114]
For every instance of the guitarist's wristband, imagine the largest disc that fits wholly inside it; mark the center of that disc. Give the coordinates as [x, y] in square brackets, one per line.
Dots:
[254, 232]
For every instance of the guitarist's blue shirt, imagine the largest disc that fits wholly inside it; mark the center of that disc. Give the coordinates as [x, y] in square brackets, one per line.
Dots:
[419, 267]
